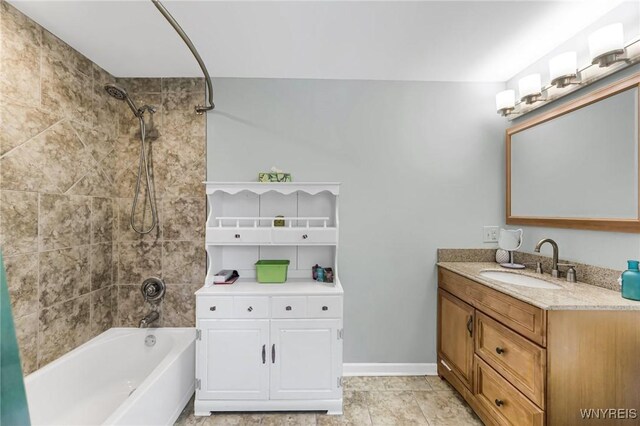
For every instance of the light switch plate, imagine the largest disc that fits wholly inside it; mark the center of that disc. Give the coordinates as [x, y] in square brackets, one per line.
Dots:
[490, 234]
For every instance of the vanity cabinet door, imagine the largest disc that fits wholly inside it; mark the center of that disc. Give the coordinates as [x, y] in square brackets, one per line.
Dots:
[231, 359]
[305, 358]
[455, 336]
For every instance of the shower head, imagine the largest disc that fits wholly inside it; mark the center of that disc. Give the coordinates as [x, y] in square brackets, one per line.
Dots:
[120, 94]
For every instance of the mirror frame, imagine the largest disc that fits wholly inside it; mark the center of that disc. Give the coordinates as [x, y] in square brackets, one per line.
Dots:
[596, 224]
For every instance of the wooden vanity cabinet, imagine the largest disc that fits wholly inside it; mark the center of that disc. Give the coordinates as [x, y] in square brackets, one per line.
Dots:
[522, 365]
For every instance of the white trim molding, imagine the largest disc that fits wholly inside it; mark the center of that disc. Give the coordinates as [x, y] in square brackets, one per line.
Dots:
[389, 369]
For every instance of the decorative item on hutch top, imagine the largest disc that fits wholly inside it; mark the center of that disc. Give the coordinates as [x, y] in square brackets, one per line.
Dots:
[270, 347]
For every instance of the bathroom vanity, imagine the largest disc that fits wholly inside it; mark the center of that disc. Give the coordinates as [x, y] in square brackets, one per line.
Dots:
[270, 347]
[535, 356]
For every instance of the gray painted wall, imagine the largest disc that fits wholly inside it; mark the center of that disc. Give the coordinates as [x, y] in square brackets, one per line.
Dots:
[422, 167]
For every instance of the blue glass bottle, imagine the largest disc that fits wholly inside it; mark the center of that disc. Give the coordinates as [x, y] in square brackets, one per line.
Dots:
[631, 281]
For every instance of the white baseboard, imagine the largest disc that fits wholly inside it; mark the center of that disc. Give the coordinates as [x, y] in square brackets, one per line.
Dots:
[389, 369]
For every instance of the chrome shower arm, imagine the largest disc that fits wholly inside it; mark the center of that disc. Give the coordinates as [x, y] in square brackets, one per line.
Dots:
[209, 99]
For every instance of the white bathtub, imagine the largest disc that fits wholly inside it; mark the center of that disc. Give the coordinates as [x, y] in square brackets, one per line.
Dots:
[116, 379]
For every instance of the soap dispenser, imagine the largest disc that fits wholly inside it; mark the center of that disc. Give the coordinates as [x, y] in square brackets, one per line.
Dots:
[631, 281]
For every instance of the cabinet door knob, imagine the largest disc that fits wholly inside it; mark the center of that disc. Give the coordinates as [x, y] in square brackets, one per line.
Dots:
[288, 308]
[500, 350]
[237, 235]
[213, 308]
[470, 326]
[305, 236]
[250, 308]
[499, 402]
[325, 308]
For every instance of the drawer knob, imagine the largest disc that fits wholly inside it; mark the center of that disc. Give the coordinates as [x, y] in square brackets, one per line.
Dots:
[250, 308]
[305, 236]
[288, 308]
[213, 308]
[499, 402]
[325, 308]
[237, 235]
[500, 350]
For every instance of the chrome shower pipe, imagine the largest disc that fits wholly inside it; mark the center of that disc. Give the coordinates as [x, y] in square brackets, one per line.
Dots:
[200, 109]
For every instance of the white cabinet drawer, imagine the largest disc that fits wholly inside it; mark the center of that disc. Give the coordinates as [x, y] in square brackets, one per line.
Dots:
[324, 307]
[305, 236]
[251, 307]
[214, 307]
[238, 235]
[289, 307]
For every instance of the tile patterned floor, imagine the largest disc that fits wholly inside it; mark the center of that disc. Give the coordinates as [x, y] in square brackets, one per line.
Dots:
[416, 400]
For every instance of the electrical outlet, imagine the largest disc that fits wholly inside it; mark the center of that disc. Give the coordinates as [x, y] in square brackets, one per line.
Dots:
[490, 234]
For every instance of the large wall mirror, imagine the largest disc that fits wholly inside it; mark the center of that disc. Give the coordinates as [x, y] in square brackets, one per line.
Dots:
[577, 166]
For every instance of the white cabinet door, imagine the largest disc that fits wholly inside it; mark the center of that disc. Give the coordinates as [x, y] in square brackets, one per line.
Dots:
[305, 357]
[232, 359]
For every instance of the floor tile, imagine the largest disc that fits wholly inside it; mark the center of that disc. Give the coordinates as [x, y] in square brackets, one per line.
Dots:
[394, 408]
[231, 419]
[355, 411]
[445, 408]
[289, 419]
[364, 383]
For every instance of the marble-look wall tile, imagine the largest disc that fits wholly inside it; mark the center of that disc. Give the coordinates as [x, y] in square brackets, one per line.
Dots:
[183, 85]
[66, 90]
[53, 161]
[20, 123]
[94, 183]
[18, 222]
[63, 327]
[22, 279]
[180, 166]
[178, 116]
[102, 220]
[132, 306]
[183, 262]
[140, 85]
[98, 143]
[64, 274]
[103, 311]
[20, 45]
[138, 260]
[27, 336]
[101, 265]
[57, 49]
[64, 221]
[184, 218]
[178, 307]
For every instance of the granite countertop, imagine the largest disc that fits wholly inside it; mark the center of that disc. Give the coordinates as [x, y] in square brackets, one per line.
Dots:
[574, 296]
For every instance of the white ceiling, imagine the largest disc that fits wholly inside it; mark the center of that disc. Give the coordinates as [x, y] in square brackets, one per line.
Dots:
[421, 41]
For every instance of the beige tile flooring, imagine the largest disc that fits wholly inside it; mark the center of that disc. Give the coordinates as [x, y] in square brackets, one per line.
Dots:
[414, 400]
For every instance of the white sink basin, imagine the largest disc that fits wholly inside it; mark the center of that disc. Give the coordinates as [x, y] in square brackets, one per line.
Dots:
[517, 279]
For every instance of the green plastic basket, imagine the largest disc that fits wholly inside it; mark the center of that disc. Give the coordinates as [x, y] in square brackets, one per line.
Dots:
[272, 271]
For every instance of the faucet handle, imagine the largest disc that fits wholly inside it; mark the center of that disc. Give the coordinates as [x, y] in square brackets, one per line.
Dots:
[538, 266]
[571, 272]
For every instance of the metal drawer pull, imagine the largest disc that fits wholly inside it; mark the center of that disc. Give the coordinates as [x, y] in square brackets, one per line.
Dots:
[250, 308]
[288, 308]
[264, 354]
[499, 402]
[470, 326]
[237, 235]
[273, 353]
[305, 236]
[500, 350]
[213, 308]
[325, 308]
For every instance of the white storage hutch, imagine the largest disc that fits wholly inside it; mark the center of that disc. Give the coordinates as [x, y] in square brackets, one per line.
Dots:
[270, 347]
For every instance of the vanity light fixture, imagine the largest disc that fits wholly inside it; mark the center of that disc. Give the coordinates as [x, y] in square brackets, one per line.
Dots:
[530, 89]
[606, 45]
[506, 102]
[563, 69]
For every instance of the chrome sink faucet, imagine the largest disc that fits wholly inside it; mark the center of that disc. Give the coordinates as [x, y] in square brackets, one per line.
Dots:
[554, 265]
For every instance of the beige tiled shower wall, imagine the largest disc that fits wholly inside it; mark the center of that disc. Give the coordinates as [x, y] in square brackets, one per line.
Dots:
[174, 250]
[68, 161]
